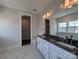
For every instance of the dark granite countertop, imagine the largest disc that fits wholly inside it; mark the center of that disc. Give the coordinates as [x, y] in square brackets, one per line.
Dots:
[55, 39]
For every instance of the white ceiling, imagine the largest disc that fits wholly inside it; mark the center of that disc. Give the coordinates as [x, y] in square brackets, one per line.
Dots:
[27, 5]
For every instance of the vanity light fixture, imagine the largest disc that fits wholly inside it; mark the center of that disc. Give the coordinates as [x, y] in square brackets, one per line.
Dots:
[68, 4]
[44, 16]
[47, 14]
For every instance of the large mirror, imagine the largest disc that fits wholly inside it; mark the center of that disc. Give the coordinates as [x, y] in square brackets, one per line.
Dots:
[65, 26]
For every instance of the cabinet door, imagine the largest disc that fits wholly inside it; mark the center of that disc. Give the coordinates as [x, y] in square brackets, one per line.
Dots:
[46, 49]
[53, 53]
[39, 44]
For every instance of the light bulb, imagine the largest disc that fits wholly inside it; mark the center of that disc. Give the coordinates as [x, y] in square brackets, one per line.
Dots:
[76, 0]
[69, 6]
[49, 13]
[44, 16]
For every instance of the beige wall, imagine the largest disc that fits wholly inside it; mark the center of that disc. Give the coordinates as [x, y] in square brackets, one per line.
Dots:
[10, 27]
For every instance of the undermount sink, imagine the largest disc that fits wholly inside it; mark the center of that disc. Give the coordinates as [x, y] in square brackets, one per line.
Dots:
[52, 40]
[66, 45]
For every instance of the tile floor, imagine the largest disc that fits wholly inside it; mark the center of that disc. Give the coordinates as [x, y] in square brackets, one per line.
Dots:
[25, 52]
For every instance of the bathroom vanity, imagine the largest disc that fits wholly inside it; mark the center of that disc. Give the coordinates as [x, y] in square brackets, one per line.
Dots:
[52, 48]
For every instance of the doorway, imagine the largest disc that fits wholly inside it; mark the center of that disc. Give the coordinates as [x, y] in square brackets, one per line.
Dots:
[26, 34]
[47, 27]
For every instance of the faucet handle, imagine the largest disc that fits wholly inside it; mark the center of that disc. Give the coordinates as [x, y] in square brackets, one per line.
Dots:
[71, 36]
[66, 39]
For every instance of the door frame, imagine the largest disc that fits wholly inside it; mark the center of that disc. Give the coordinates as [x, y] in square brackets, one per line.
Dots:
[21, 14]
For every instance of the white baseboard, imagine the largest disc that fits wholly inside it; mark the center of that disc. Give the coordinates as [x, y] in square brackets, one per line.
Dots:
[9, 48]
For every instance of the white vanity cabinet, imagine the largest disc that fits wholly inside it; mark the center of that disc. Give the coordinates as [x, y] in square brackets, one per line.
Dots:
[51, 51]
